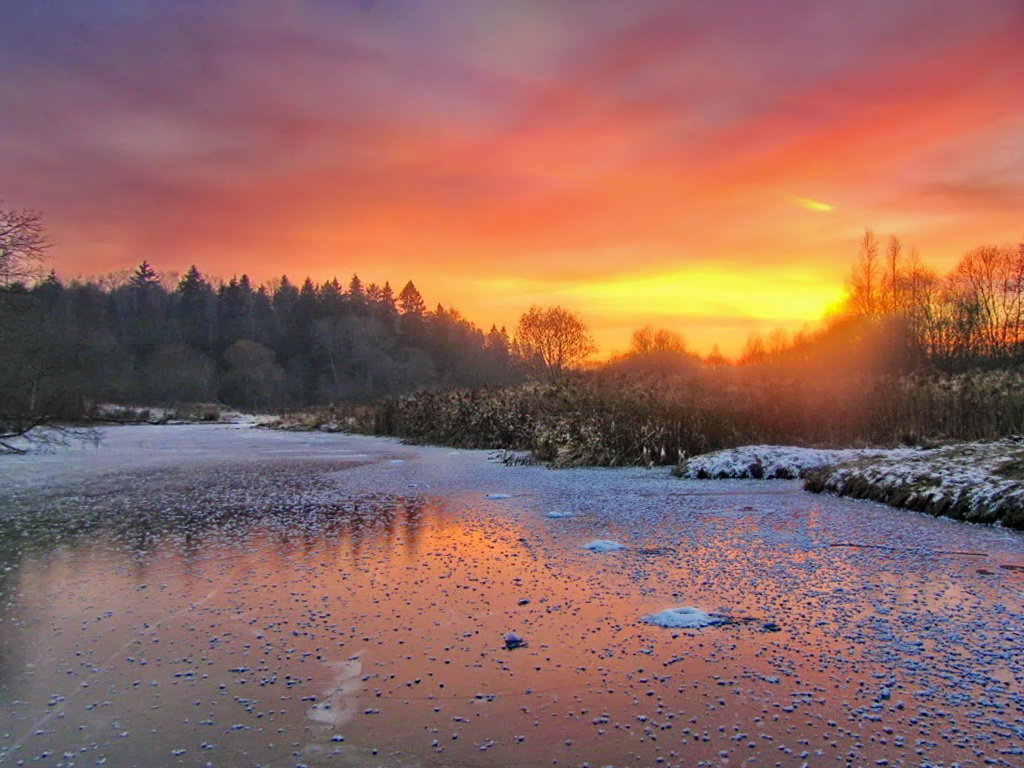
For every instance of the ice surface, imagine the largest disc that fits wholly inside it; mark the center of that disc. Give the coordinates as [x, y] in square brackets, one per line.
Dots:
[211, 589]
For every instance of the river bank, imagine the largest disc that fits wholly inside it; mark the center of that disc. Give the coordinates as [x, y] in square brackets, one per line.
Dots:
[980, 482]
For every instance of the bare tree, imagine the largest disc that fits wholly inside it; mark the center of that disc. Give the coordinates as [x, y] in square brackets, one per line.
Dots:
[894, 259]
[864, 282]
[649, 341]
[22, 245]
[39, 436]
[987, 284]
[920, 291]
[657, 350]
[754, 350]
[555, 337]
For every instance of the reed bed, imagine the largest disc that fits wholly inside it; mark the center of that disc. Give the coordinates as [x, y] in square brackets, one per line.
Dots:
[603, 420]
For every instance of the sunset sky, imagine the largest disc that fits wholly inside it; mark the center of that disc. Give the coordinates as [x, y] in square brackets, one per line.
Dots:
[704, 166]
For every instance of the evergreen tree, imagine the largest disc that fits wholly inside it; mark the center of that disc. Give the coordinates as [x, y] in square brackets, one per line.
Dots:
[331, 298]
[194, 310]
[410, 301]
[236, 320]
[144, 276]
[50, 290]
[141, 313]
[387, 302]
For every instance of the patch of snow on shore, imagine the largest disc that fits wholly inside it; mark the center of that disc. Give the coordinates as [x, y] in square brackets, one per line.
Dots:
[774, 461]
[980, 482]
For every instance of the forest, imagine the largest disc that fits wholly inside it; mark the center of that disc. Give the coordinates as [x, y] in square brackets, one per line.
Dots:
[910, 355]
[137, 340]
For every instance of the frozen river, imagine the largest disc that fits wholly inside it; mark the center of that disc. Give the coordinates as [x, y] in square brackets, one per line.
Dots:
[227, 596]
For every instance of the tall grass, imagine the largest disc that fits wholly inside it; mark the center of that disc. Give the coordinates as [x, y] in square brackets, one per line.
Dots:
[615, 420]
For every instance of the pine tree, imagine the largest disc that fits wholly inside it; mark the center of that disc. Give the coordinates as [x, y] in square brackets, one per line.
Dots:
[193, 310]
[142, 318]
[387, 301]
[411, 302]
[144, 276]
[192, 281]
[50, 289]
[331, 298]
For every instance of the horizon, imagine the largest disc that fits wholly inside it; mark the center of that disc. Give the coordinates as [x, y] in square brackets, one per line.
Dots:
[170, 278]
[706, 169]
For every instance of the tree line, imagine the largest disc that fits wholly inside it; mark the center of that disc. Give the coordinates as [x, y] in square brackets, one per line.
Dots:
[900, 315]
[909, 358]
[261, 347]
[145, 339]
[973, 316]
[141, 338]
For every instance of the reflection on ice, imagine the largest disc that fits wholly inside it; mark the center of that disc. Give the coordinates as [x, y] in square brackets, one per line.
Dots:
[340, 701]
[230, 607]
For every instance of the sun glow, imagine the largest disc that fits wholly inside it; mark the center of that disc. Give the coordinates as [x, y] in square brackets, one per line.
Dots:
[778, 295]
[708, 304]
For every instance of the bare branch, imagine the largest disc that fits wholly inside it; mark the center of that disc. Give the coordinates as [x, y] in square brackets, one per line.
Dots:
[22, 245]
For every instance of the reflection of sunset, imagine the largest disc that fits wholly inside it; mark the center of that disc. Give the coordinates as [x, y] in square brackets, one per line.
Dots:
[555, 149]
[377, 621]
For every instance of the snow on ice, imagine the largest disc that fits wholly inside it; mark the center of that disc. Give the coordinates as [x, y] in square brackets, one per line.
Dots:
[684, 617]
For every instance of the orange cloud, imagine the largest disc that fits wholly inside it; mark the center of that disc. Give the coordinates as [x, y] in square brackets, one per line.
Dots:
[645, 160]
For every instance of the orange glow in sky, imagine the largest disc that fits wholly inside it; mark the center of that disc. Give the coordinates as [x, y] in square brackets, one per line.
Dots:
[706, 167]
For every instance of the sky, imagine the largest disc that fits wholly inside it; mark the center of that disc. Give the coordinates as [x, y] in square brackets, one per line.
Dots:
[706, 167]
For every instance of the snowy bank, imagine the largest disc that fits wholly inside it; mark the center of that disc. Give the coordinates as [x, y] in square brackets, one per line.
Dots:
[182, 413]
[978, 482]
[784, 462]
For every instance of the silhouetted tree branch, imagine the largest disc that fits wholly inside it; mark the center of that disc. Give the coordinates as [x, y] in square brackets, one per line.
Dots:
[22, 245]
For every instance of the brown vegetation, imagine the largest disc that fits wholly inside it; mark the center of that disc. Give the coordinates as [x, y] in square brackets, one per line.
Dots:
[606, 419]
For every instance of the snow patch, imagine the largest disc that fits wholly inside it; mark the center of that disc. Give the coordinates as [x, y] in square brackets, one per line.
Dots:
[979, 482]
[684, 617]
[775, 461]
[602, 545]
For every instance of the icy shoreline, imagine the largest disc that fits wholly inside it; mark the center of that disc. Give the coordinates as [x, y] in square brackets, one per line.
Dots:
[976, 482]
[772, 462]
[980, 482]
